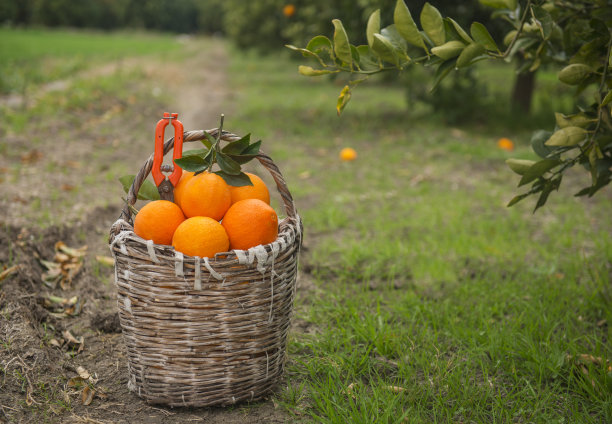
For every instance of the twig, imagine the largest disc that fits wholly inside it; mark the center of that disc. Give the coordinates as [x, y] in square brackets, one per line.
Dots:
[8, 272]
[518, 32]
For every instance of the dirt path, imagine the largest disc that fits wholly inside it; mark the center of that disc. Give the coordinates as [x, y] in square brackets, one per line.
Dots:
[58, 182]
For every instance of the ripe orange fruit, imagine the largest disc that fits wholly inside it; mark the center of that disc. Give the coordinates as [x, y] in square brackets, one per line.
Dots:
[347, 154]
[180, 186]
[157, 221]
[200, 236]
[258, 190]
[289, 10]
[249, 223]
[505, 144]
[206, 194]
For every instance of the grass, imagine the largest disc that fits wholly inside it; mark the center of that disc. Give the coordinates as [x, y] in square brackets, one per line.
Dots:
[424, 298]
[31, 57]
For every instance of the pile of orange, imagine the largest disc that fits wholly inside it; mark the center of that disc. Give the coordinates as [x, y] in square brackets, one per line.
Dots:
[209, 216]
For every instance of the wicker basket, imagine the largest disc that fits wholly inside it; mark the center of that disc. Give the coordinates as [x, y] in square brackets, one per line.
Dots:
[205, 331]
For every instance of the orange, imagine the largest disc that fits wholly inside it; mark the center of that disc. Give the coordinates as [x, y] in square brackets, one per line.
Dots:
[257, 191]
[347, 154]
[157, 221]
[505, 144]
[289, 10]
[180, 186]
[249, 223]
[206, 194]
[200, 236]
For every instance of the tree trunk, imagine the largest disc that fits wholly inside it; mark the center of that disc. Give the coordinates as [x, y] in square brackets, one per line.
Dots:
[522, 92]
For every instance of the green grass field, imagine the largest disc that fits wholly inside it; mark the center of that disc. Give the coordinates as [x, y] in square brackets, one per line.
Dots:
[431, 300]
[422, 297]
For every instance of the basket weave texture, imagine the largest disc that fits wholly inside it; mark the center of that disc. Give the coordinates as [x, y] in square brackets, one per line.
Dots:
[205, 331]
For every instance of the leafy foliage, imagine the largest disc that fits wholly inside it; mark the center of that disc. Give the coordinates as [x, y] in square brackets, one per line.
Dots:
[573, 35]
[229, 158]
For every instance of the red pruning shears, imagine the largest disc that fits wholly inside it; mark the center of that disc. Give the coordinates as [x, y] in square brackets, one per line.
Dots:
[165, 185]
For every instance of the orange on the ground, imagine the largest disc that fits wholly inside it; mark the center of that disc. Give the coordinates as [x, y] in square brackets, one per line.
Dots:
[505, 144]
[249, 223]
[348, 153]
[258, 190]
[200, 236]
[206, 194]
[157, 221]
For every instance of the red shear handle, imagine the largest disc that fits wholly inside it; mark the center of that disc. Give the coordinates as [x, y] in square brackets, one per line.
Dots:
[158, 157]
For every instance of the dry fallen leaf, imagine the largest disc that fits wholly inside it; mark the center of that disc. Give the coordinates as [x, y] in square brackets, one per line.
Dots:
[87, 395]
[105, 260]
[8, 272]
[66, 264]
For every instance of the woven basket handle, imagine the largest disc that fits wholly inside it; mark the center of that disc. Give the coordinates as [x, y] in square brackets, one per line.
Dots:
[198, 135]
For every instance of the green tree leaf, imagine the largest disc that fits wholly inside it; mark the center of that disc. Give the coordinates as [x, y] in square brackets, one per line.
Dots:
[237, 180]
[227, 164]
[342, 47]
[148, 190]
[373, 26]
[406, 26]
[607, 99]
[576, 120]
[499, 4]
[343, 98]
[306, 53]
[449, 49]
[568, 136]
[575, 73]
[517, 199]
[537, 143]
[441, 73]
[543, 20]
[546, 190]
[520, 166]
[368, 61]
[309, 71]
[481, 35]
[320, 43]
[470, 53]
[384, 49]
[538, 169]
[460, 31]
[433, 24]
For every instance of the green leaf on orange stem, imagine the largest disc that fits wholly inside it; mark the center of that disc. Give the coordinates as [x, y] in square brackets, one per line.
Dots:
[236, 147]
[193, 163]
[449, 49]
[538, 169]
[342, 47]
[406, 26]
[148, 190]
[481, 35]
[470, 54]
[227, 164]
[384, 49]
[568, 136]
[373, 26]
[239, 180]
[433, 24]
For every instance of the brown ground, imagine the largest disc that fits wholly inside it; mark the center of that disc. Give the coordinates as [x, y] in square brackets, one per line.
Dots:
[58, 181]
